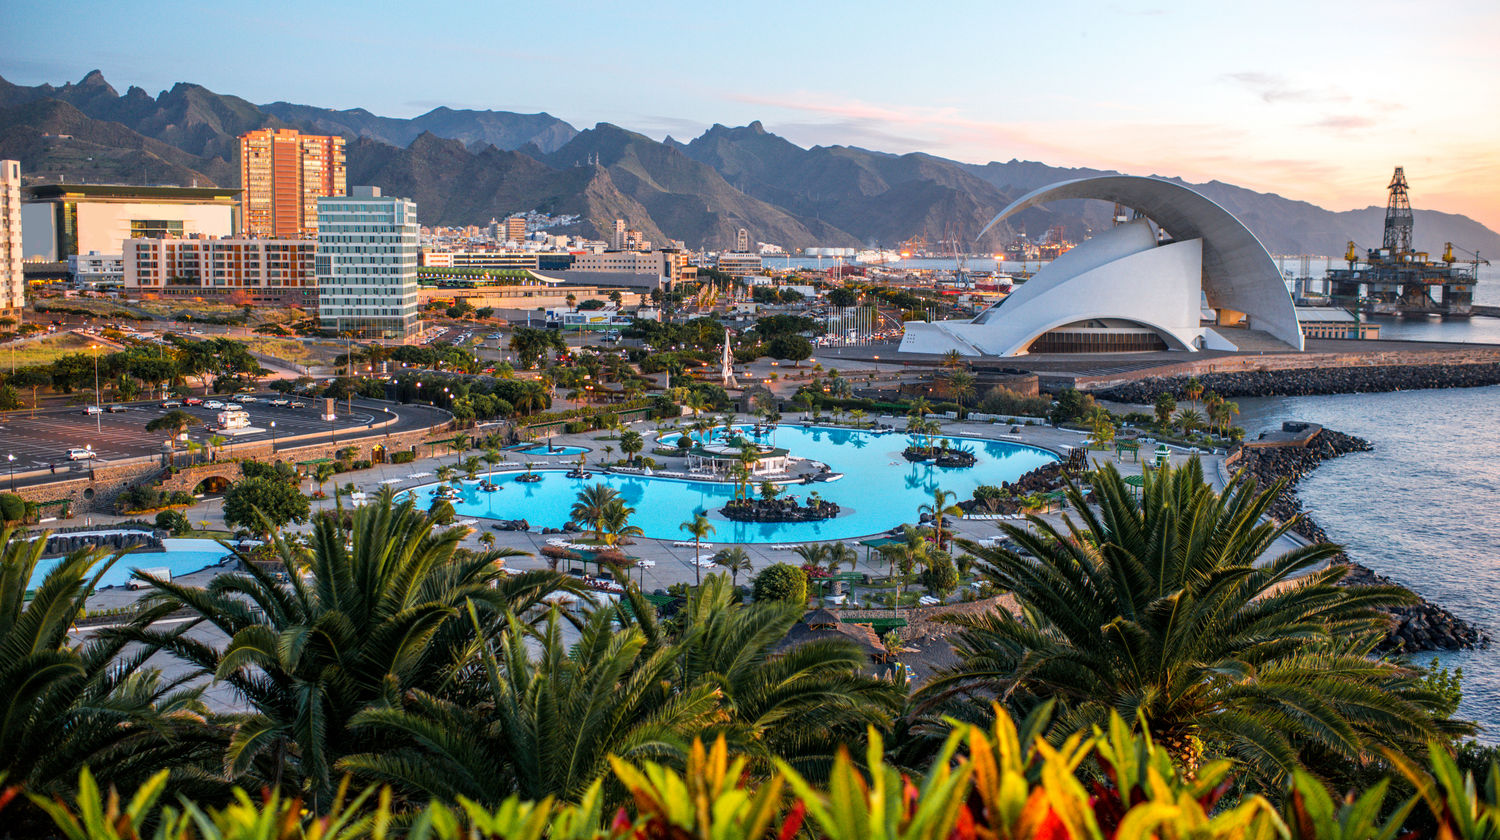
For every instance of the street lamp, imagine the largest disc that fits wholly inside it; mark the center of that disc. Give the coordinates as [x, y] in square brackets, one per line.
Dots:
[10, 461]
[98, 409]
[273, 437]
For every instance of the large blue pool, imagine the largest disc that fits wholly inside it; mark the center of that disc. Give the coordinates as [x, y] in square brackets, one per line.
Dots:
[180, 556]
[541, 449]
[880, 489]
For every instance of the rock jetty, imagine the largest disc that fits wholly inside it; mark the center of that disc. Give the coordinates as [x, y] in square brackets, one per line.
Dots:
[67, 543]
[1421, 625]
[779, 510]
[1310, 382]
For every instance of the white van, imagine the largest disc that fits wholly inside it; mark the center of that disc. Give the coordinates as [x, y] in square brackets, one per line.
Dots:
[234, 419]
[162, 573]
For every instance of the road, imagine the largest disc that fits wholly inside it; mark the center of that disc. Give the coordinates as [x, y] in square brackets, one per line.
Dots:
[41, 442]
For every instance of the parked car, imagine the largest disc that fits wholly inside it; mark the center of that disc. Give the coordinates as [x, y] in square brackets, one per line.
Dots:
[114, 409]
[298, 404]
[234, 406]
[76, 454]
[171, 404]
[213, 405]
[93, 409]
[245, 398]
[281, 402]
[192, 401]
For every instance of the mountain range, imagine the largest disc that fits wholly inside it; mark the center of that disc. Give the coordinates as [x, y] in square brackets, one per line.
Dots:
[467, 166]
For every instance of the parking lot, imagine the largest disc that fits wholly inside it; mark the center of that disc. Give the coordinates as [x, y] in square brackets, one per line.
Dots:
[43, 440]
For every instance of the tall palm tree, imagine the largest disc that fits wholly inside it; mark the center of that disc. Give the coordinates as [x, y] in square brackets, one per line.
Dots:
[545, 716]
[942, 505]
[589, 509]
[1166, 610]
[631, 442]
[64, 703]
[376, 615]
[734, 560]
[699, 527]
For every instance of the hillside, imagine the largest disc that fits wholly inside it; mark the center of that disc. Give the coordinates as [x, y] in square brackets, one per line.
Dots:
[466, 166]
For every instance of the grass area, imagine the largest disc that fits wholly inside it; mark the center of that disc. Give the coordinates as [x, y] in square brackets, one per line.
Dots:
[41, 351]
[291, 350]
[211, 534]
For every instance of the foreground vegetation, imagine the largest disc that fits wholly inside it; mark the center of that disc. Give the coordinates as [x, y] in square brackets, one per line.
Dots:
[378, 653]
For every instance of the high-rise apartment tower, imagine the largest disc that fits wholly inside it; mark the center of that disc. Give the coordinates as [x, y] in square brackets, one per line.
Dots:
[12, 284]
[283, 174]
[367, 264]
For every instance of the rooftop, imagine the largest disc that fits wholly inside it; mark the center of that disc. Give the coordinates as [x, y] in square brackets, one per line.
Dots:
[129, 192]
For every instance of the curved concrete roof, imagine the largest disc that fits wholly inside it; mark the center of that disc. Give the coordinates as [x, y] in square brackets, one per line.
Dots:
[1238, 273]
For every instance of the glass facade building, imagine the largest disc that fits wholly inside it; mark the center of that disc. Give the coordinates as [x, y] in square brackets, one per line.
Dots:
[366, 264]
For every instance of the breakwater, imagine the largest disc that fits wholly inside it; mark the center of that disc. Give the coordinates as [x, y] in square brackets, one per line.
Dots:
[1421, 625]
[1304, 382]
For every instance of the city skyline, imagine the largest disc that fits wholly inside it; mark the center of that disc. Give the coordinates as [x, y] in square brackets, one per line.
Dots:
[1305, 101]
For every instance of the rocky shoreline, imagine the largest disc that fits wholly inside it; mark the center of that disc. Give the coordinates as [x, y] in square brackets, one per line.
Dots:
[1309, 382]
[1420, 626]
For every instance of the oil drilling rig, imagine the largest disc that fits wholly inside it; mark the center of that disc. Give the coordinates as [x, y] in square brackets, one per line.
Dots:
[1394, 279]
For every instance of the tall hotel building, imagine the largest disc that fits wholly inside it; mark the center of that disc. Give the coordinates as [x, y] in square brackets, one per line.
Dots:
[367, 265]
[283, 173]
[12, 284]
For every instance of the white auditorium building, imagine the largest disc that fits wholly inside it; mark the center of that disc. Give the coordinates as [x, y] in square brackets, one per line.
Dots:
[1184, 275]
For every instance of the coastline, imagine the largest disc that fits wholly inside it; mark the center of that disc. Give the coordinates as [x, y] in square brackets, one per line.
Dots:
[1419, 626]
[1309, 382]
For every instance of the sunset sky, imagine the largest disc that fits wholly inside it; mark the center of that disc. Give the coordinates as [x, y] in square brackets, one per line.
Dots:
[1313, 100]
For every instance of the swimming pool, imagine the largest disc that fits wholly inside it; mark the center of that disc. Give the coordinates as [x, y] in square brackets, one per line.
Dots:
[541, 449]
[181, 556]
[879, 490]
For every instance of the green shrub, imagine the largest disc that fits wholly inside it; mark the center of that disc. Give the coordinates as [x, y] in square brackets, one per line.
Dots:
[781, 582]
[12, 507]
[403, 457]
[174, 521]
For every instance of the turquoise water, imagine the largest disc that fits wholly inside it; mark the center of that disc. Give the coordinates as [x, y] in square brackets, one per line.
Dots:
[542, 449]
[880, 489]
[180, 556]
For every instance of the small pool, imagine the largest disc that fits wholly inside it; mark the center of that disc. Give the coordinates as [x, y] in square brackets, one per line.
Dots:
[541, 449]
[181, 556]
[880, 489]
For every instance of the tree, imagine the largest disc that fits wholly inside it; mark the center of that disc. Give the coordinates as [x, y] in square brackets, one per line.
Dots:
[631, 442]
[1188, 420]
[942, 505]
[388, 607]
[263, 504]
[590, 506]
[733, 560]
[843, 297]
[1193, 390]
[961, 385]
[791, 347]
[175, 421]
[769, 490]
[68, 702]
[1164, 406]
[781, 582]
[615, 522]
[1101, 425]
[941, 575]
[1072, 405]
[549, 713]
[699, 527]
[1169, 609]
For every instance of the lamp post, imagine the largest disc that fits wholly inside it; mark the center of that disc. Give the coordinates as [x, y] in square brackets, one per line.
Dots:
[98, 409]
[10, 461]
[273, 437]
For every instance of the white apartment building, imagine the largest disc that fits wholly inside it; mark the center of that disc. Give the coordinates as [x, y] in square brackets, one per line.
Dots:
[96, 271]
[12, 283]
[367, 264]
[238, 269]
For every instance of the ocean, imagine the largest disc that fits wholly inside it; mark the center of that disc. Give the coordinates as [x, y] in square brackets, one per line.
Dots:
[1423, 508]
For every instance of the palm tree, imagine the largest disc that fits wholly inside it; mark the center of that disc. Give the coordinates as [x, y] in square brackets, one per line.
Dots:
[733, 560]
[961, 385]
[615, 521]
[444, 472]
[699, 527]
[1166, 609]
[942, 505]
[547, 714]
[631, 442]
[1192, 390]
[377, 615]
[1188, 420]
[175, 421]
[323, 472]
[471, 467]
[590, 506]
[65, 704]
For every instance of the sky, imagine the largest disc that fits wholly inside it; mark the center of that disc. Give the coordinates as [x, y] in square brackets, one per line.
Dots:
[1314, 100]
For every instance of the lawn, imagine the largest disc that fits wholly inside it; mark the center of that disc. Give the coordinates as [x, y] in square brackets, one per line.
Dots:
[42, 351]
[292, 350]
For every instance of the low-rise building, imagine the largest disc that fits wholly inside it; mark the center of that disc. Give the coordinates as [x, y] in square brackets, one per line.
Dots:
[738, 265]
[96, 271]
[1334, 322]
[276, 272]
[62, 220]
